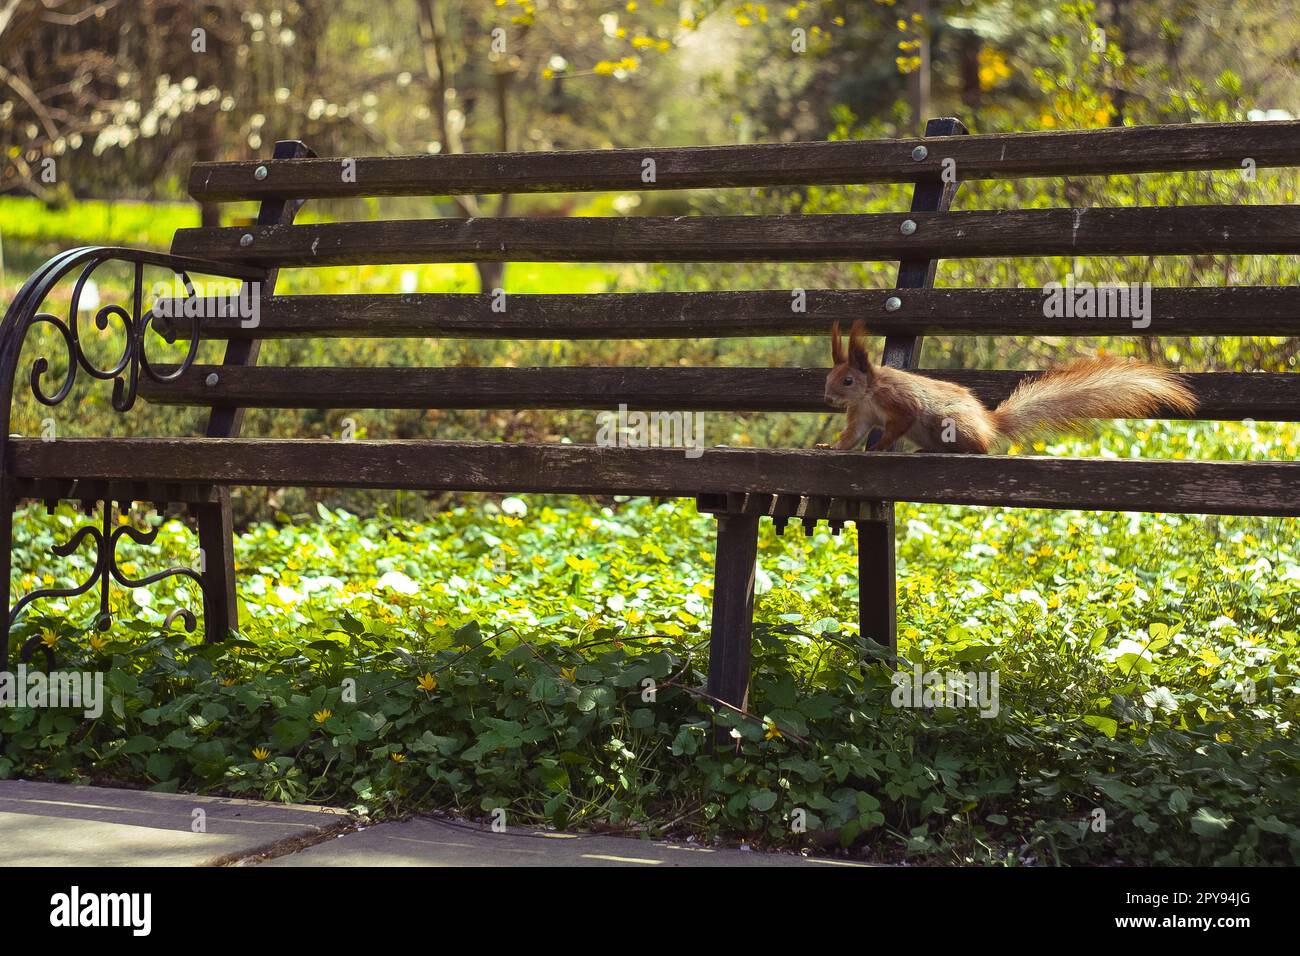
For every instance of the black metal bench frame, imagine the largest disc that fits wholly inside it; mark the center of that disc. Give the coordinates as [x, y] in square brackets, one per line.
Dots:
[739, 486]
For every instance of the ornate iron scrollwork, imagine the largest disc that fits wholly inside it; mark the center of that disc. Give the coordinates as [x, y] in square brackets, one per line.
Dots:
[105, 537]
[22, 314]
[125, 373]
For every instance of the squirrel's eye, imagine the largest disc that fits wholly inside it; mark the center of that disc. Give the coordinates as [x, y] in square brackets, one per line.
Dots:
[848, 379]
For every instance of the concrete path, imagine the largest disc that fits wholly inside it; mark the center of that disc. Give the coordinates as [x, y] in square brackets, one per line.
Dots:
[57, 824]
[50, 824]
[427, 841]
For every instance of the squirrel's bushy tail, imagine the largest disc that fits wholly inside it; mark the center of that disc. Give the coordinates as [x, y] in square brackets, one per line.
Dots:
[1102, 387]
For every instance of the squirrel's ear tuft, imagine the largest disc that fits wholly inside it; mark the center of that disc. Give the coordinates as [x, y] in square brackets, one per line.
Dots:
[837, 345]
[858, 347]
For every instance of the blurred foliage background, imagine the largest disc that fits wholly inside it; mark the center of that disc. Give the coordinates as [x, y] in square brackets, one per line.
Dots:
[118, 99]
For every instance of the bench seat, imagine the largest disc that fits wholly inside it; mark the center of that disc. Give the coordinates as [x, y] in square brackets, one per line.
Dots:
[1103, 484]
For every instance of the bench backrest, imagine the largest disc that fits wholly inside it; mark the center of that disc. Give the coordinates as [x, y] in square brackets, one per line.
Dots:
[915, 238]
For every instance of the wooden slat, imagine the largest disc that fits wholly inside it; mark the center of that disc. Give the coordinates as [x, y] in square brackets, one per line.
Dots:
[1224, 395]
[971, 234]
[995, 156]
[1257, 488]
[1249, 310]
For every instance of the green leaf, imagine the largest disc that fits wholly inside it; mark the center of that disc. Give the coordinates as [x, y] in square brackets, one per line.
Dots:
[140, 744]
[469, 634]
[160, 766]
[351, 624]
[1210, 822]
[1272, 824]
[783, 693]
[1107, 725]
[686, 742]
[290, 733]
[554, 776]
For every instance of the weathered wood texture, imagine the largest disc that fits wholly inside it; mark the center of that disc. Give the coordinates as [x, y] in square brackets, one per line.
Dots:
[1223, 395]
[735, 560]
[1213, 487]
[877, 585]
[997, 156]
[1164, 230]
[1246, 310]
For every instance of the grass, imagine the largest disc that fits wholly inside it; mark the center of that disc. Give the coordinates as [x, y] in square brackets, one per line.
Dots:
[32, 232]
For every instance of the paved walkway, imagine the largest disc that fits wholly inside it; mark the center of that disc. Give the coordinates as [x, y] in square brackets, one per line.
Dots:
[52, 824]
[56, 824]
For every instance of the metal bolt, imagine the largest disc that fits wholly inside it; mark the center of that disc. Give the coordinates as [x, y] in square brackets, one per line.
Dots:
[260, 172]
[918, 154]
[893, 304]
[211, 380]
[907, 228]
[246, 240]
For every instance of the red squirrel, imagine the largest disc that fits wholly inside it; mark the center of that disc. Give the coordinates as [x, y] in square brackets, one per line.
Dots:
[941, 416]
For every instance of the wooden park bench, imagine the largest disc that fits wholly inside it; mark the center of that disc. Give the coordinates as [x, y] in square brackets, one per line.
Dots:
[738, 485]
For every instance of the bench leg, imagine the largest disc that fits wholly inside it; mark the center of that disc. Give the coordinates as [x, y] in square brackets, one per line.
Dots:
[733, 609]
[877, 613]
[216, 538]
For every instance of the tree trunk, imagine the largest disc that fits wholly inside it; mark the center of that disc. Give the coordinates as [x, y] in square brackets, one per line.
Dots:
[491, 276]
[1119, 36]
[970, 68]
[919, 79]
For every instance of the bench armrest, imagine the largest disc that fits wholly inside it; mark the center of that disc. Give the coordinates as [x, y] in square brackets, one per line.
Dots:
[125, 372]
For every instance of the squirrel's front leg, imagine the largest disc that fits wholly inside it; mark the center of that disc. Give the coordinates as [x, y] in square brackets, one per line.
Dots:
[894, 430]
[855, 431]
